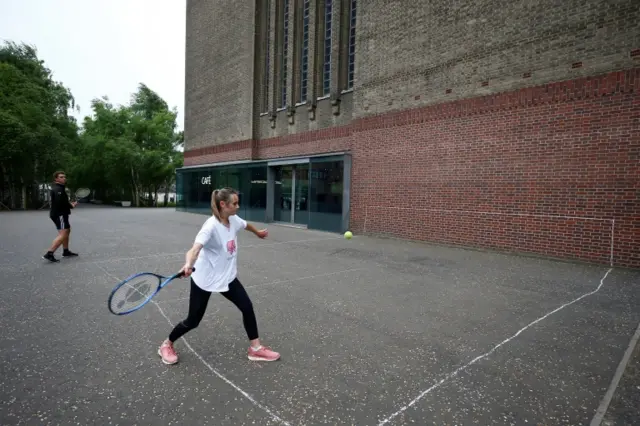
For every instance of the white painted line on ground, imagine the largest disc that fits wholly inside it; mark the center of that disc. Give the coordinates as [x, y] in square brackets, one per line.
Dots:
[182, 253]
[485, 355]
[11, 267]
[511, 214]
[307, 278]
[490, 213]
[273, 415]
[604, 405]
[148, 256]
[291, 242]
[282, 281]
[88, 261]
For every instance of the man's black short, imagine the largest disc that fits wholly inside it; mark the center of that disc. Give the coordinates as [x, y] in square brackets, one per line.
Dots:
[62, 222]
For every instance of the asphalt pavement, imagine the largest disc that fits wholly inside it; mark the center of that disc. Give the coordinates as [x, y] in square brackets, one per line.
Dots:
[371, 331]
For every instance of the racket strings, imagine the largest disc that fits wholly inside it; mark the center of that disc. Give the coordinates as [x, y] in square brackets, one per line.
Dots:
[82, 193]
[133, 294]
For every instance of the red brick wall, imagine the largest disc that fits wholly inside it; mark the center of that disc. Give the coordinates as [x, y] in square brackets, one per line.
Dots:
[334, 139]
[544, 170]
[233, 151]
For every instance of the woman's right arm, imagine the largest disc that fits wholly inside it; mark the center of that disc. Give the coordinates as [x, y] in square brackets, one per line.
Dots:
[190, 259]
[192, 254]
[206, 233]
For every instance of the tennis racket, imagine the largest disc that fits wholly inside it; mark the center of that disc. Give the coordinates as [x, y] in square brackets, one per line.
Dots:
[137, 290]
[82, 193]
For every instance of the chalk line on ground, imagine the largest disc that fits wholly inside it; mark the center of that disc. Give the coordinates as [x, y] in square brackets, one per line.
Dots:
[281, 282]
[606, 400]
[89, 261]
[273, 415]
[485, 355]
[182, 253]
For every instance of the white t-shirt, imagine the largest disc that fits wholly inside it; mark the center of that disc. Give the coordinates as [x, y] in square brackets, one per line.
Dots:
[216, 266]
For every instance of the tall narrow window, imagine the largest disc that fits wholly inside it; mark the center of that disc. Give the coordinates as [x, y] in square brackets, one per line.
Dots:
[326, 68]
[352, 45]
[285, 53]
[266, 33]
[304, 53]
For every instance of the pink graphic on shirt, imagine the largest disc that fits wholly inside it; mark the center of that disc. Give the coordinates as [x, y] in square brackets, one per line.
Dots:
[231, 246]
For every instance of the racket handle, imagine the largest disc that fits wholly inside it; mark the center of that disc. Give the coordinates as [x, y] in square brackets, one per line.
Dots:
[192, 271]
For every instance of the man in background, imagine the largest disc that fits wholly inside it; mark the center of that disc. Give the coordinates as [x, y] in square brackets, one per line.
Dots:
[60, 209]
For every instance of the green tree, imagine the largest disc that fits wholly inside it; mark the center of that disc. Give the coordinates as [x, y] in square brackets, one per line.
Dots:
[138, 145]
[126, 152]
[36, 130]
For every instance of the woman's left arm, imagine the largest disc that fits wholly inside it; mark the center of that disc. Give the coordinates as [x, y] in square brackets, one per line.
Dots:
[262, 233]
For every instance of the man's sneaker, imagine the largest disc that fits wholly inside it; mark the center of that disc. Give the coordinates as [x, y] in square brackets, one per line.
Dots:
[167, 353]
[68, 253]
[50, 257]
[262, 353]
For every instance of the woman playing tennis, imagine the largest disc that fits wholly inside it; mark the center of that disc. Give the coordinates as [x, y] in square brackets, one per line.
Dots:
[214, 256]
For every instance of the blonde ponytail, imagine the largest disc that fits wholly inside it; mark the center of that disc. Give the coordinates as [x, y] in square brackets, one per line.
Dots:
[215, 210]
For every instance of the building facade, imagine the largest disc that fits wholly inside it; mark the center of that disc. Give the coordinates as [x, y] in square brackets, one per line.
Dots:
[494, 124]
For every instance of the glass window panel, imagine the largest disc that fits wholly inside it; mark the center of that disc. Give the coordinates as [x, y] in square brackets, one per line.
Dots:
[192, 202]
[352, 45]
[285, 54]
[180, 191]
[250, 180]
[283, 194]
[326, 189]
[265, 71]
[257, 200]
[304, 57]
[235, 178]
[326, 78]
[301, 199]
[204, 192]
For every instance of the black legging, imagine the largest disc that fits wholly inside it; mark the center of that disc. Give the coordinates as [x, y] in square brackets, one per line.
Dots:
[198, 300]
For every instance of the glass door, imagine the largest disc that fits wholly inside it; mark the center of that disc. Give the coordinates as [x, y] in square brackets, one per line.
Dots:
[291, 194]
[301, 199]
[283, 194]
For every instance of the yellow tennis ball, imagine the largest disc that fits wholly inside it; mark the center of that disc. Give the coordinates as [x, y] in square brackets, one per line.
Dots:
[348, 235]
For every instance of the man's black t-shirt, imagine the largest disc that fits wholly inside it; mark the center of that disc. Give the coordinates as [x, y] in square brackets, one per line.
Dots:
[59, 204]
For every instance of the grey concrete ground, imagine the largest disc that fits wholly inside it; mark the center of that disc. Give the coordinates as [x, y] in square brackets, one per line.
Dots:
[624, 408]
[371, 331]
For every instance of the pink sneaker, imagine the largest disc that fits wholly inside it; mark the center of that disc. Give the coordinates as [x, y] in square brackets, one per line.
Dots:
[167, 353]
[263, 353]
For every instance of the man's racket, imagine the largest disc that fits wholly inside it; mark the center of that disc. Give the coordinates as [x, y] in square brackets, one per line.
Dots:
[82, 193]
[137, 290]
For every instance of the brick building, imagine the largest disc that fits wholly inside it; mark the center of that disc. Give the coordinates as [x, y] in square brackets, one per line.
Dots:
[508, 125]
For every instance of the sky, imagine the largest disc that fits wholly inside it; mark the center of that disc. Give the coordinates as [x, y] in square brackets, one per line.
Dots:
[104, 48]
